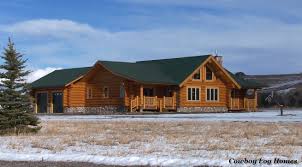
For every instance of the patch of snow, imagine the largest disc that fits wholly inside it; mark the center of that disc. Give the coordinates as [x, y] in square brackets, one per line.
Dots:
[285, 91]
[162, 153]
[263, 116]
[125, 160]
[287, 84]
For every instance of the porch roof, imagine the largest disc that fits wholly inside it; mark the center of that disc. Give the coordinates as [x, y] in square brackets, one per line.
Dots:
[246, 84]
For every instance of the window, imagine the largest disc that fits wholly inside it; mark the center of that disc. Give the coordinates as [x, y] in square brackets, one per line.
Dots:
[122, 91]
[193, 94]
[105, 92]
[148, 92]
[209, 74]
[212, 94]
[89, 93]
[168, 92]
[196, 76]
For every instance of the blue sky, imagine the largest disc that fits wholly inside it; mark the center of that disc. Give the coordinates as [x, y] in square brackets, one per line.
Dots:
[256, 37]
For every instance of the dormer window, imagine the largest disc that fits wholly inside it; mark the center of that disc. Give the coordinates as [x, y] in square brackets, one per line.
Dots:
[196, 76]
[209, 74]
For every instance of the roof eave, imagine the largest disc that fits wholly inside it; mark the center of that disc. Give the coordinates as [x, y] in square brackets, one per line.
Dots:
[48, 87]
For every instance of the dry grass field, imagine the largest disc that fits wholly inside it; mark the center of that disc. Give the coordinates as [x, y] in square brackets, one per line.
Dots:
[217, 141]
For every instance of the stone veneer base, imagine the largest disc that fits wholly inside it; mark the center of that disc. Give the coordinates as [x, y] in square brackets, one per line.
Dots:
[202, 109]
[94, 110]
[117, 109]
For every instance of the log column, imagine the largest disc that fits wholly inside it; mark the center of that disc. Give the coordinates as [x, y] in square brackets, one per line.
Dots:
[50, 102]
[35, 104]
[174, 99]
[141, 92]
[256, 100]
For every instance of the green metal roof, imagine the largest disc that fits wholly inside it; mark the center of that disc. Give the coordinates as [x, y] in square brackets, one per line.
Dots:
[59, 78]
[164, 71]
[246, 84]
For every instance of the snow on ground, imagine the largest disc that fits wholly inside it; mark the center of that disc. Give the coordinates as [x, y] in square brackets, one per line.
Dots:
[128, 160]
[263, 116]
[287, 84]
[161, 140]
[285, 91]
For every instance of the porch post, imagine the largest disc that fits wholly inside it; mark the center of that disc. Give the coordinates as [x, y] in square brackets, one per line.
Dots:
[161, 105]
[238, 101]
[244, 103]
[256, 100]
[137, 104]
[36, 108]
[174, 99]
[35, 104]
[51, 105]
[231, 99]
[130, 104]
[141, 92]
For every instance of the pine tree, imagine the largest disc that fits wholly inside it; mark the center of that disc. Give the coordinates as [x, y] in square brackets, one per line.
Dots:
[16, 111]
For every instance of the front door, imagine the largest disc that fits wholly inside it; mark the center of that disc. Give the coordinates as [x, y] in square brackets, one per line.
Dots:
[57, 101]
[42, 102]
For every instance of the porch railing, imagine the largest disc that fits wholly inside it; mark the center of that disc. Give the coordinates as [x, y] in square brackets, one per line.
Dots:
[134, 104]
[150, 102]
[235, 103]
[168, 103]
[250, 104]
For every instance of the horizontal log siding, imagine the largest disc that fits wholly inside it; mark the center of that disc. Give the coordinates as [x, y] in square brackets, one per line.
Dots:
[223, 99]
[217, 82]
[66, 97]
[76, 94]
[103, 78]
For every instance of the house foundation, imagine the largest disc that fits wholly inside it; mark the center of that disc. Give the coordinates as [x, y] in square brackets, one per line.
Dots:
[202, 109]
[94, 110]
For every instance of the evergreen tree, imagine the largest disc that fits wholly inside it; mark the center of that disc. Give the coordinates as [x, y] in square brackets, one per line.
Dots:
[16, 111]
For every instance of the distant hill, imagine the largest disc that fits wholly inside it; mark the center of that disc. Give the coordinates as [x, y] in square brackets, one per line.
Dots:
[287, 88]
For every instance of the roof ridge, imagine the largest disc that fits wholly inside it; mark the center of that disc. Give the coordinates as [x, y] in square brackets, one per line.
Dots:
[153, 59]
[172, 58]
[72, 68]
[115, 61]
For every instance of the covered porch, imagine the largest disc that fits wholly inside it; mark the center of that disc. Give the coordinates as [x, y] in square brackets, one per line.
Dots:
[153, 98]
[243, 100]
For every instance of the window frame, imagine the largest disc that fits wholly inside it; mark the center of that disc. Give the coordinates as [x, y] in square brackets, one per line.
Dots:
[89, 93]
[104, 92]
[36, 100]
[199, 93]
[194, 79]
[122, 88]
[212, 89]
[206, 70]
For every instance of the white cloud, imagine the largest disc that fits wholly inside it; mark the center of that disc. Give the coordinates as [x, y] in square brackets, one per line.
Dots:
[51, 27]
[36, 74]
[243, 40]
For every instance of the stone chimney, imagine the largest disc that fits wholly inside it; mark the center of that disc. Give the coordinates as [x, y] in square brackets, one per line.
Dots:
[219, 59]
